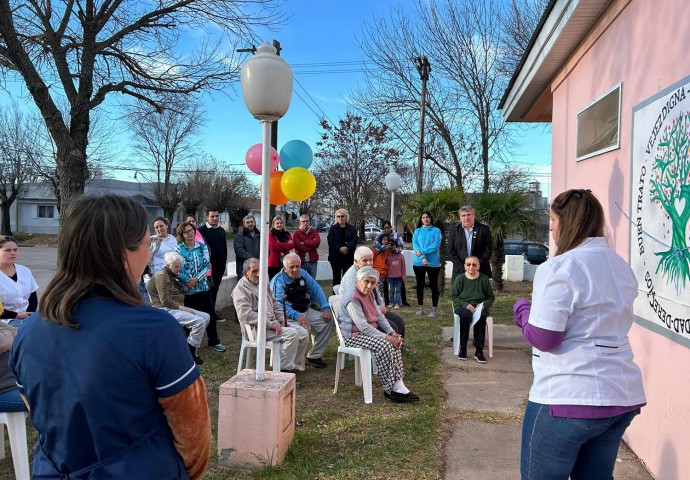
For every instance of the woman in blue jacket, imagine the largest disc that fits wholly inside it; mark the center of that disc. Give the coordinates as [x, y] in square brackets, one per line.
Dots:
[426, 241]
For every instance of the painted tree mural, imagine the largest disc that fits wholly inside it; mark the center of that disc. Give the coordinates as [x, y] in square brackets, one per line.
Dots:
[670, 189]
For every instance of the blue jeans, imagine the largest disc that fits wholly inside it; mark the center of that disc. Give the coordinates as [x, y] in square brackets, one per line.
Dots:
[311, 267]
[10, 401]
[555, 448]
[394, 286]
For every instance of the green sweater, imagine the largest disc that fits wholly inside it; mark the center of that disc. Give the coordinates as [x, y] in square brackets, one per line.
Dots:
[472, 292]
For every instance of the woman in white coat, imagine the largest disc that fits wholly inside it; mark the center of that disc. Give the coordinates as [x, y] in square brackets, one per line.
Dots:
[586, 389]
[17, 285]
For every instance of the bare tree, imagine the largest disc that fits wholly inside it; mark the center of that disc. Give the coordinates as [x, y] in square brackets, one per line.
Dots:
[391, 92]
[86, 51]
[462, 39]
[467, 35]
[519, 20]
[353, 159]
[212, 184]
[19, 147]
[166, 140]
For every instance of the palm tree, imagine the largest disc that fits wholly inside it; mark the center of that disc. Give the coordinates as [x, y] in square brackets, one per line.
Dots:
[504, 213]
[443, 206]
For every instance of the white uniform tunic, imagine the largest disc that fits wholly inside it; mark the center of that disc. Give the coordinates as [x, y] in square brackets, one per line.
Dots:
[166, 245]
[15, 295]
[587, 293]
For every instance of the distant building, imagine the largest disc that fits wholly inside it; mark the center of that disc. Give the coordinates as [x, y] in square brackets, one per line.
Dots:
[36, 209]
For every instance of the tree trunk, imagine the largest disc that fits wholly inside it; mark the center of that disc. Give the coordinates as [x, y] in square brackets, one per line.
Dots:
[497, 260]
[6, 225]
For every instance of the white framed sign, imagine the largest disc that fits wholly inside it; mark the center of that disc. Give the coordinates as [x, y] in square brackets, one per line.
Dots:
[660, 212]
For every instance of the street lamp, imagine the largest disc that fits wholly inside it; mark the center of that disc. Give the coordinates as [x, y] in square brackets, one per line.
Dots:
[393, 183]
[266, 81]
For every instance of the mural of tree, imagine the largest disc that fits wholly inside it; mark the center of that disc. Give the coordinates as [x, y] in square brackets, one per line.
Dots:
[670, 189]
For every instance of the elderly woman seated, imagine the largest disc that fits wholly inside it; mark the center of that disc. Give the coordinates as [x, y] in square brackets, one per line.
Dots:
[165, 292]
[364, 326]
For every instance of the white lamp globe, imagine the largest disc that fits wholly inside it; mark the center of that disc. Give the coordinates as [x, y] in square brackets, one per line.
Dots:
[393, 181]
[266, 81]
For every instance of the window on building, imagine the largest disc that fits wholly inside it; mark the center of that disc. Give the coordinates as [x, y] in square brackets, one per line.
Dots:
[598, 125]
[46, 211]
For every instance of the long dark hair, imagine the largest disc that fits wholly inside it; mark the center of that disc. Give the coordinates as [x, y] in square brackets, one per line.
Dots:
[94, 236]
[425, 212]
[580, 215]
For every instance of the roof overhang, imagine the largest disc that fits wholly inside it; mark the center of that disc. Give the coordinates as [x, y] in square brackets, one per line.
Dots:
[562, 27]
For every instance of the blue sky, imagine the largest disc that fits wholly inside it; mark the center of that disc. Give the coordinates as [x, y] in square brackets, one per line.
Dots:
[318, 32]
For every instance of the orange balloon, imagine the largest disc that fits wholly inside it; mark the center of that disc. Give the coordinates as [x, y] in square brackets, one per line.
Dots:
[276, 195]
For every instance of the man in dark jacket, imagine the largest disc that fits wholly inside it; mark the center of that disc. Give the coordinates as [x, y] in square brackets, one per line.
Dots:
[214, 236]
[342, 241]
[472, 233]
[247, 244]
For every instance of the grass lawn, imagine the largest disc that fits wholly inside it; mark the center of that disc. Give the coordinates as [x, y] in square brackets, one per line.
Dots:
[338, 436]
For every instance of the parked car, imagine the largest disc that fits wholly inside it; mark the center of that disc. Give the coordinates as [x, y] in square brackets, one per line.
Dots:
[534, 252]
[323, 227]
[370, 232]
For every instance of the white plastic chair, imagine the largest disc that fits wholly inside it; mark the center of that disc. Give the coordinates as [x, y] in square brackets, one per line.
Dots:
[363, 360]
[249, 345]
[16, 430]
[456, 333]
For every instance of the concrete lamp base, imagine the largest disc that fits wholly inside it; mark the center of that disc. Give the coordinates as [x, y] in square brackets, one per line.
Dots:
[256, 420]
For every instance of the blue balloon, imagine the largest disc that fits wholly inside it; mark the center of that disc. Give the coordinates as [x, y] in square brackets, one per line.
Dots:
[295, 153]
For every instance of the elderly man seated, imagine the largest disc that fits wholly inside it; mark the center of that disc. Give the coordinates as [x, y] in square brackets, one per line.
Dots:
[305, 305]
[245, 298]
[471, 289]
[364, 257]
[166, 294]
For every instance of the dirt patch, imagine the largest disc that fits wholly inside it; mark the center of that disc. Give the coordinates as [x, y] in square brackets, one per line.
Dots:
[36, 239]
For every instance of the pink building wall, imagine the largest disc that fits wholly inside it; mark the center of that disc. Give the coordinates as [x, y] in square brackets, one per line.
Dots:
[646, 48]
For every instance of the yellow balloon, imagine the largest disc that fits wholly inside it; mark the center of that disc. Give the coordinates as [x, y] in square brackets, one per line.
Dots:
[298, 184]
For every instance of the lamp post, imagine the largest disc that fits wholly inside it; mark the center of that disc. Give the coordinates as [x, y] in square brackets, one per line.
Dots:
[266, 81]
[393, 183]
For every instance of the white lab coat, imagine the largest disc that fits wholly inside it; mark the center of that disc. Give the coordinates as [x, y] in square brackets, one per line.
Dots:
[587, 293]
[15, 295]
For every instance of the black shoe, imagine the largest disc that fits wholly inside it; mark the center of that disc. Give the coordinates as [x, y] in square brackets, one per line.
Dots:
[317, 362]
[463, 355]
[197, 359]
[479, 357]
[408, 397]
[405, 304]
[289, 371]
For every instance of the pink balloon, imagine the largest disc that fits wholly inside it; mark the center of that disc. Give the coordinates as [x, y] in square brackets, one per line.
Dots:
[253, 158]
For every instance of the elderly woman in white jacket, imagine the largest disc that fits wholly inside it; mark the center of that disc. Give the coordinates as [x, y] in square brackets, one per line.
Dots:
[364, 326]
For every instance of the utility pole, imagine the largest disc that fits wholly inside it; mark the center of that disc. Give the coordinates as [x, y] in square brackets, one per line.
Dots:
[424, 68]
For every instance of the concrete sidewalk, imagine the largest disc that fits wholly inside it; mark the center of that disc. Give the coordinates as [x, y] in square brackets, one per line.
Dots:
[485, 404]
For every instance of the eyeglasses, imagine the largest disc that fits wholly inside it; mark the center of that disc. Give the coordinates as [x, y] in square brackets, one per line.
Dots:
[340, 216]
[471, 264]
[304, 221]
[186, 232]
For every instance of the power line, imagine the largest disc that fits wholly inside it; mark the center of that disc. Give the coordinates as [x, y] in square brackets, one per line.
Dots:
[312, 99]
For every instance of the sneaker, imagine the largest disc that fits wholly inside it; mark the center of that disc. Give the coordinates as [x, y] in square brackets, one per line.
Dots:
[390, 305]
[420, 311]
[317, 362]
[479, 357]
[220, 320]
[396, 306]
[463, 355]
[219, 347]
[433, 314]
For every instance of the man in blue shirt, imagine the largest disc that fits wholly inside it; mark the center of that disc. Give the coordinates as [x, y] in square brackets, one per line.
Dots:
[305, 305]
